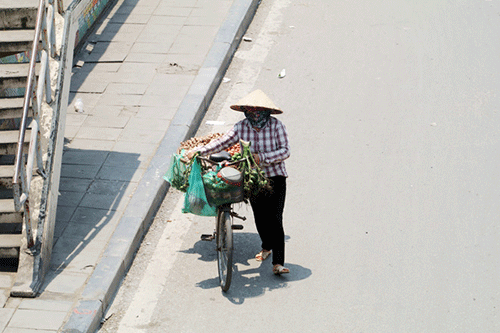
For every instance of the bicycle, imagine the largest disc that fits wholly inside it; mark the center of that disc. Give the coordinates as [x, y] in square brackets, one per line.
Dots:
[224, 226]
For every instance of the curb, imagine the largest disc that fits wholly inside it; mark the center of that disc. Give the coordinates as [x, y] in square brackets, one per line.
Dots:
[119, 254]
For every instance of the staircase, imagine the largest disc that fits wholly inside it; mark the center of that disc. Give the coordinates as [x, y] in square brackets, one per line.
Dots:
[30, 168]
[17, 30]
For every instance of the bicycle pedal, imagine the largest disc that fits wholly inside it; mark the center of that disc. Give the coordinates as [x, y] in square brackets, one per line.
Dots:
[237, 227]
[207, 237]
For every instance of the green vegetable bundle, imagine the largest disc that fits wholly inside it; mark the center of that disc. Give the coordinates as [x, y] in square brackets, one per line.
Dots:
[254, 179]
[178, 173]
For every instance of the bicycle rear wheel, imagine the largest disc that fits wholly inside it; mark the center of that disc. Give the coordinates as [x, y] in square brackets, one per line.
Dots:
[224, 240]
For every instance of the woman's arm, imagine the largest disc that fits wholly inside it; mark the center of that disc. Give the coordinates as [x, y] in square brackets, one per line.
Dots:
[215, 146]
[283, 147]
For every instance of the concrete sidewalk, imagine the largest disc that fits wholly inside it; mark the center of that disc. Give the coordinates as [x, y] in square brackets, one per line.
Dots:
[145, 79]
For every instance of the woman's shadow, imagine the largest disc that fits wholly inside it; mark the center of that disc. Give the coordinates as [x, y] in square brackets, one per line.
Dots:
[250, 278]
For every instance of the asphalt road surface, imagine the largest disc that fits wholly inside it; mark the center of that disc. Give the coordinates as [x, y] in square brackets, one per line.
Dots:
[392, 214]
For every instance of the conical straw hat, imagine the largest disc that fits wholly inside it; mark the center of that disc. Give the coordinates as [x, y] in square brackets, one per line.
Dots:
[259, 100]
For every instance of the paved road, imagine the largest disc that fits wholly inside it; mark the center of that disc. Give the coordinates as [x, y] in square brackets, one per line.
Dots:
[146, 73]
[392, 214]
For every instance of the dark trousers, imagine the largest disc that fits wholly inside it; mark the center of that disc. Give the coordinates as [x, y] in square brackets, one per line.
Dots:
[267, 210]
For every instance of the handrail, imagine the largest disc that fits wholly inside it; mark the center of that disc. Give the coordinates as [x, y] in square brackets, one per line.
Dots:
[29, 88]
[21, 174]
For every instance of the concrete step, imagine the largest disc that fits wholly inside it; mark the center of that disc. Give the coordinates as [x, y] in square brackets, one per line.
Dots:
[11, 108]
[18, 14]
[9, 245]
[6, 171]
[6, 193]
[14, 76]
[7, 159]
[6, 175]
[8, 141]
[16, 41]
[10, 124]
[7, 212]
[11, 228]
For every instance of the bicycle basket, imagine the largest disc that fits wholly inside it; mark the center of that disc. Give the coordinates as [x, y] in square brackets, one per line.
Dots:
[223, 186]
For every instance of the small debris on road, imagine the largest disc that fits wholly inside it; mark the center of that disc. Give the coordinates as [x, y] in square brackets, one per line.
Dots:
[79, 105]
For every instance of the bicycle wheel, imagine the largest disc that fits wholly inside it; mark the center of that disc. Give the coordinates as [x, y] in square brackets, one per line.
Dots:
[224, 240]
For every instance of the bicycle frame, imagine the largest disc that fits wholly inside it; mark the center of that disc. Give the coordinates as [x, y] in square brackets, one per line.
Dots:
[223, 234]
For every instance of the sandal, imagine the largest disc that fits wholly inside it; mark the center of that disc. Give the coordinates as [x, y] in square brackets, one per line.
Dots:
[280, 269]
[262, 255]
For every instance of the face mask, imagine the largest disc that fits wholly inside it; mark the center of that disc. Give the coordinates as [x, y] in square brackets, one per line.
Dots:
[258, 119]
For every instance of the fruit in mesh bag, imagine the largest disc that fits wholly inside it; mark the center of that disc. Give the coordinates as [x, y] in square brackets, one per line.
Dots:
[198, 141]
[203, 140]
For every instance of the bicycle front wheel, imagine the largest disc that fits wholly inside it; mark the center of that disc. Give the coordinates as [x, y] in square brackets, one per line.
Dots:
[224, 242]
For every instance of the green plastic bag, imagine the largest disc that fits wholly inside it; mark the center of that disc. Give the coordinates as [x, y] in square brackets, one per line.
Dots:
[178, 173]
[195, 199]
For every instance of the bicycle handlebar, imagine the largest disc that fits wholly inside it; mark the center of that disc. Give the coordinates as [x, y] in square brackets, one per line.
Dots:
[228, 162]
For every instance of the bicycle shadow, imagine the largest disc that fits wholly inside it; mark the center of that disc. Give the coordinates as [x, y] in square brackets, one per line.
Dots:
[250, 278]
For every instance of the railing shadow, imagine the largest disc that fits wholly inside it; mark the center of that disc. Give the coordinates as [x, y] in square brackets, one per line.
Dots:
[95, 189]
[92, 194]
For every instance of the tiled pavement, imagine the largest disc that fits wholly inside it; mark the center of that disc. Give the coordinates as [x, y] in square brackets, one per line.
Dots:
[144, 78]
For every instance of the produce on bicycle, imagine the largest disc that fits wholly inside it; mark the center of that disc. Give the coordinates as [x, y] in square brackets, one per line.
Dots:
[270, 147]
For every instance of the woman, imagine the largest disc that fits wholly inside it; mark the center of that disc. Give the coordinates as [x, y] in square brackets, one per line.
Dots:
[270, 147]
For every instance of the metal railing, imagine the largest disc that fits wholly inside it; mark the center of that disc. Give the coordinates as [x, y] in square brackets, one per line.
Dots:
[60, 7]
[35, 88]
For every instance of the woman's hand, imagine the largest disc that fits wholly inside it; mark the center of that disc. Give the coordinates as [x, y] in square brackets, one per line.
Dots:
[190, 154]
[256, 158]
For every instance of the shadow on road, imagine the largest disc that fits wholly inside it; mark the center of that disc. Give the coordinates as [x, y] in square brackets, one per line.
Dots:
[250, 278]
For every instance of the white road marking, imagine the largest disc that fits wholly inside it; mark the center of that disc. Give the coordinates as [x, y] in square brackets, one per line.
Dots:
[146, 297]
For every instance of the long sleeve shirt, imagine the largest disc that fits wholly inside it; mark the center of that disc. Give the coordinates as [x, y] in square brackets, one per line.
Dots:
[271, 143]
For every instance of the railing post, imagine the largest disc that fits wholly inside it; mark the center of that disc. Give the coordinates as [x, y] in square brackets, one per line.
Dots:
[27, 223]
[39, 159]
[24, 201]
[44, 82]
[17, 196]
[35, 105]
[60, 7]
[51, 34]
[31, 153]
[48, 88]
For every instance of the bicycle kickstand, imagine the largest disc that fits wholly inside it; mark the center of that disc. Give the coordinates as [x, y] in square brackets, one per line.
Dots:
[234, 214]
[237, 226]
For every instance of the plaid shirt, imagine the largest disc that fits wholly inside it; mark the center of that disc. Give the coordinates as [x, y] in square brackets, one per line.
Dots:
[271, 143]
